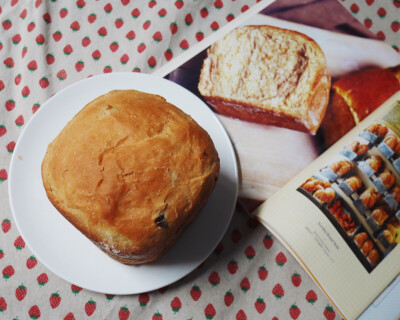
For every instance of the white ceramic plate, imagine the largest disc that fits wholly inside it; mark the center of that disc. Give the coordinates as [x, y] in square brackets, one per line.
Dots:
[61, 247]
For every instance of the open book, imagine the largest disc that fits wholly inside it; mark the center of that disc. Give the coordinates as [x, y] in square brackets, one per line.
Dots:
[340, 217]
[318, 225]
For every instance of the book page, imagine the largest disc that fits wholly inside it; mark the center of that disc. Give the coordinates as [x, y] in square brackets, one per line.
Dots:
[341, 215]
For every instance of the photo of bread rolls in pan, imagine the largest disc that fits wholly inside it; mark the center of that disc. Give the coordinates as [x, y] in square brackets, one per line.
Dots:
[321, 190]
[370, 197]
[360, 190]
[341, 167]
[367, 248]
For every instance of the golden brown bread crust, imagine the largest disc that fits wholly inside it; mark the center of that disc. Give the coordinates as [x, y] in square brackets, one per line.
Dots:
[131, 171]
[354, 97]
[253, 114]
[267, 75]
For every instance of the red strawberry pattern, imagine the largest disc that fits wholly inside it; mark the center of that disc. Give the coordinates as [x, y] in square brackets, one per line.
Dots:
[214, 279]
[168, 54]
[241, 315]
[329, 313]
[278, 291]
[176, 305]
[123, 313]
[195, 292]
[294, 311]
[199, 36]
[90, 307]
[210, 312]
[228, 298]
[280, 259]
[4, 177]
[245, 284]
[262, 273]
[296, 279]
[10, 147]
[55, 300]
[268, 241]
[75, 289]
[31, 262]
[260, 305]
[233, 266]
[250, 252]
[109, 297]
[19, 243]
[376, 17]
[8, 272]
[20, 292]
[311, 296]
[69, 316]
[34, 312]
[42, 279]
[10, 105]
[144, 299]
[52, 44]
[3, 304]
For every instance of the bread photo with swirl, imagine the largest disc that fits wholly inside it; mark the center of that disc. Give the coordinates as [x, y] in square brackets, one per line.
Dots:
[267, 75]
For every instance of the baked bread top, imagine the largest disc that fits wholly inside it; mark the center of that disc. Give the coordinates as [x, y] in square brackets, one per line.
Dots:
[130, 171]
[259, 69]
[355, 96]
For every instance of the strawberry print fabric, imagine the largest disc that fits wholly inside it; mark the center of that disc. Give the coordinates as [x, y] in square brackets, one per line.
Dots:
[47, 45]
[381, 17]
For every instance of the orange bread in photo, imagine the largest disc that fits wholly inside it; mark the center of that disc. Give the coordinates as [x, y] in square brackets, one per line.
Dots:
[267, 75]
[369, 197]
[354, 97]
[130, 171]
[341, 167]
[358, 148]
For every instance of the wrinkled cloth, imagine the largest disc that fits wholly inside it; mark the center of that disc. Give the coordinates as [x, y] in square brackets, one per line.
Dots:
[47, 45]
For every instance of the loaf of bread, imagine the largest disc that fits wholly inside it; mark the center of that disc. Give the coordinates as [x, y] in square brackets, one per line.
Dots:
[354, 182]
[396, 194]
[369, 197]
[131, 171]
[392, 141]
[326, 195]
[367, 247]
[312, 184]
[341, 167]
[355, 96]
[375, 162]
[388, 178]
[360, 238]
[379, 215]
[377, 129]
[267, 75]
[358, 148]
[373, 256]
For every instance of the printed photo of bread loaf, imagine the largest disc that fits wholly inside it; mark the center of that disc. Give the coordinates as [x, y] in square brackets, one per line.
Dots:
[131, 171]
[354, 97]
[267, 75]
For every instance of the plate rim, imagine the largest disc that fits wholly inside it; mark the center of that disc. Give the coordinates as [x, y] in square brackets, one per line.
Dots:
[48, 103]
